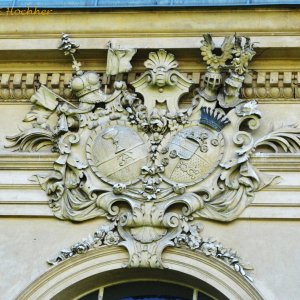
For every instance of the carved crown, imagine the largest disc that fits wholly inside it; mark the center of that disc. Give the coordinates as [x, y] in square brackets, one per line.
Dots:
[213, 118]
[82, 83]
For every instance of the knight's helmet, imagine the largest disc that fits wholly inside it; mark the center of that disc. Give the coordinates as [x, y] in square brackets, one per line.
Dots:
[213, 79]
[233, 85]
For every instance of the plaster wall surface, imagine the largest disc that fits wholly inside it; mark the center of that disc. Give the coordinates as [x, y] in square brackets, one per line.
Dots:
[269, 246]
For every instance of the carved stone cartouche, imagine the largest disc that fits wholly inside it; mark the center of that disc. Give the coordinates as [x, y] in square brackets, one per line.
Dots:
[151, 168]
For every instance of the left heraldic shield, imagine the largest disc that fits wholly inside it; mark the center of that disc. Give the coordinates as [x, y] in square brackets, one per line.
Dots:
[116, 153]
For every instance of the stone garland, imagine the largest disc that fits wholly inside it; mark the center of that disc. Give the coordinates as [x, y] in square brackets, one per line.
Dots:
[190, 238]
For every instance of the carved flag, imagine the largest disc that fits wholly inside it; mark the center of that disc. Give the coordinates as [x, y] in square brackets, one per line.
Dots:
[118, 60]
[45, 98]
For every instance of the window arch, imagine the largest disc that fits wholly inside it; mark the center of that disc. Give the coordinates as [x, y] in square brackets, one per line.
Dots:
[77, 276]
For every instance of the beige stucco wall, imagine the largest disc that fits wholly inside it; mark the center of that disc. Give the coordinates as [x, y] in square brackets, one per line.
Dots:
[266, 234]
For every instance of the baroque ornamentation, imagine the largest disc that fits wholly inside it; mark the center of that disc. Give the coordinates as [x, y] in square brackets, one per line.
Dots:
[153, 169]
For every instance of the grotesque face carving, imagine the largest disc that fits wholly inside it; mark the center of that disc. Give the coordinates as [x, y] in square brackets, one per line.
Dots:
[161, 77]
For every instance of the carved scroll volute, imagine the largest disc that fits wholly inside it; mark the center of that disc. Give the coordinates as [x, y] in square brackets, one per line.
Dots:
[147, 228]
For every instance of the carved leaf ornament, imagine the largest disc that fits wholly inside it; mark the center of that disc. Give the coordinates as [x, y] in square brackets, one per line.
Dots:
[151, 169]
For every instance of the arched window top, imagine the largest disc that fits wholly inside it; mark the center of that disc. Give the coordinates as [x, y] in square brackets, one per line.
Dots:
[146, 290]
[79, 275]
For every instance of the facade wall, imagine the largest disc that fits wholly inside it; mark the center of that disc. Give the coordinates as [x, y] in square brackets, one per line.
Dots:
[265, 234]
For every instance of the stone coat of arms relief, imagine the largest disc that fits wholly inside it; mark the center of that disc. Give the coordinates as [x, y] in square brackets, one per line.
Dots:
[152, 169]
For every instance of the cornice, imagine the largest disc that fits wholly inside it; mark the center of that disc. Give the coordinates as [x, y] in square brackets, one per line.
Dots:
[283, 23]
[26, 161]
[277, 162]
[144, 40]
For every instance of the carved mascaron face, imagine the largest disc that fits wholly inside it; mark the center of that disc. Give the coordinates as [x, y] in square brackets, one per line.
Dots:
[160, 77]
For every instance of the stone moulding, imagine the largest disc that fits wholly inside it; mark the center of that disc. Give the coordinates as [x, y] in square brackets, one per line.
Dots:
[153, 170]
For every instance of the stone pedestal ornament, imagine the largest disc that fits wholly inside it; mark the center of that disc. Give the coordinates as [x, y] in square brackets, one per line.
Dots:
[152, 169]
